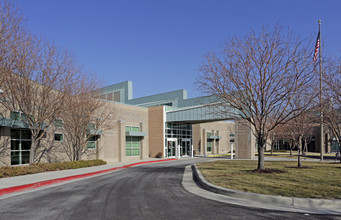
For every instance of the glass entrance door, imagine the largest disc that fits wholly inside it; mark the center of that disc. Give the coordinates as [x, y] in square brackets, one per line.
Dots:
[185, 147]
[171, 147]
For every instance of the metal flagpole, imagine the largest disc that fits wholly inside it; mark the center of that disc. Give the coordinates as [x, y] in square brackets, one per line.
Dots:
[321, 111]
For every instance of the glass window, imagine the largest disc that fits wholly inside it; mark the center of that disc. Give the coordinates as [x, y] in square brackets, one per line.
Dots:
[15, 157]
[18, 116]
[15, 134]
[25, 145]
[58, 137]
[15, 115]
[20, 146]
[15, 145]
[133, 146]
[91, 144]
[133, 129]
[58, 123]
[26, 134]
[91, 126]
[209, 146]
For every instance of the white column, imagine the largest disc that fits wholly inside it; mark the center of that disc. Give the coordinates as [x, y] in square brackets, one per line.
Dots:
[192, 150]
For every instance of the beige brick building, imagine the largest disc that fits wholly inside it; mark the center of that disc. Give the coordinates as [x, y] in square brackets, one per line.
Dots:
[165, 125]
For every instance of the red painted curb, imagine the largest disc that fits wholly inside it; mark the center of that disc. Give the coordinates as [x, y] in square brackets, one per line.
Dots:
[68, 178]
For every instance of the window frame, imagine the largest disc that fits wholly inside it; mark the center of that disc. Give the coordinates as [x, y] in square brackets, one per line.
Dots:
[58, 141]
[20, 149]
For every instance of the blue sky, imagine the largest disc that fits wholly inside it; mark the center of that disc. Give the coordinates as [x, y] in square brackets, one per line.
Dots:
[160, 44]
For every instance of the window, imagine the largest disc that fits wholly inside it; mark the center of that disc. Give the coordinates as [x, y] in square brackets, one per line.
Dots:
[15, 115]
[178, 131]
[91, 126]
[132, 146]
[91, 144]
[117, 96]
[209, 145]
[133, 129]
[20, 146]
[58, 123]
[58, 137]
[18, 115]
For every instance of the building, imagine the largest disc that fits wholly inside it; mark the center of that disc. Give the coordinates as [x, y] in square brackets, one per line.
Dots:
[162, 125]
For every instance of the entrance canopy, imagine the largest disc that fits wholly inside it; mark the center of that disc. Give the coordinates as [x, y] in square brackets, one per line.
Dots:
[199, 114]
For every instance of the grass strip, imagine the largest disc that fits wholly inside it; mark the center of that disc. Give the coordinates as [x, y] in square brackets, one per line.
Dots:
[10, 171]
[320, 180]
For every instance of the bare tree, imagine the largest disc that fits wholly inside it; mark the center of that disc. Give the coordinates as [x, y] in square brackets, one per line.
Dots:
[259, 75]
[301, 129]
[85, 118]
[37, 86]
[11, 32]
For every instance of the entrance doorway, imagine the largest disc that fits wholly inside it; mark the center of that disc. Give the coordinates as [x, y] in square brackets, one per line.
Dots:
[185, 147]
[171, 147]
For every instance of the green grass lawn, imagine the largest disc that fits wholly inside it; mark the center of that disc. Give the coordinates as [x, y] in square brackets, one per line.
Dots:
[315, 180]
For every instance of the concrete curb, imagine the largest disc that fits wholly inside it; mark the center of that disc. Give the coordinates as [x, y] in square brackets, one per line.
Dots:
[317, 204]
[14, 189]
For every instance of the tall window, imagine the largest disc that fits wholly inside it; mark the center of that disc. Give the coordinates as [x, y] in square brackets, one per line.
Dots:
[20, 146]
[209, 142]
[132, 143]
[209, 145]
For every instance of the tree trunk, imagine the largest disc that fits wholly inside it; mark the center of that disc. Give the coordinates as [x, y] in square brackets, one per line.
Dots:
[340, 150]
[290, 146]
[299, 162]
[261, 154]
[33, 150]
[272, 144]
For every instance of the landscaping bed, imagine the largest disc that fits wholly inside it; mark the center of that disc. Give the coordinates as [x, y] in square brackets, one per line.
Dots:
[314, 180]
[9, 171]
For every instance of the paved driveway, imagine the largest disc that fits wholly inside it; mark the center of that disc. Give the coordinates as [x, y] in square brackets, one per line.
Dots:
[151, 191]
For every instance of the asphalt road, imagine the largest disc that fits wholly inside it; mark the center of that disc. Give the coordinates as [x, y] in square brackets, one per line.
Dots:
[151, 191]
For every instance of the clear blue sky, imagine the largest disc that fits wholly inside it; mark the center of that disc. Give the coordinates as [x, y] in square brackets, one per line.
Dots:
[160, 44]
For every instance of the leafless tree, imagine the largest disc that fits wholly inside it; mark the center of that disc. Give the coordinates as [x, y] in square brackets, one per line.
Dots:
[301, 129]
[11, 32]
[85, 117]
[37, 85]
[258, 75]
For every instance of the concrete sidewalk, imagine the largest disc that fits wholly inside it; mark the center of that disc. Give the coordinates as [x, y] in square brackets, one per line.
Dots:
[20, 183]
